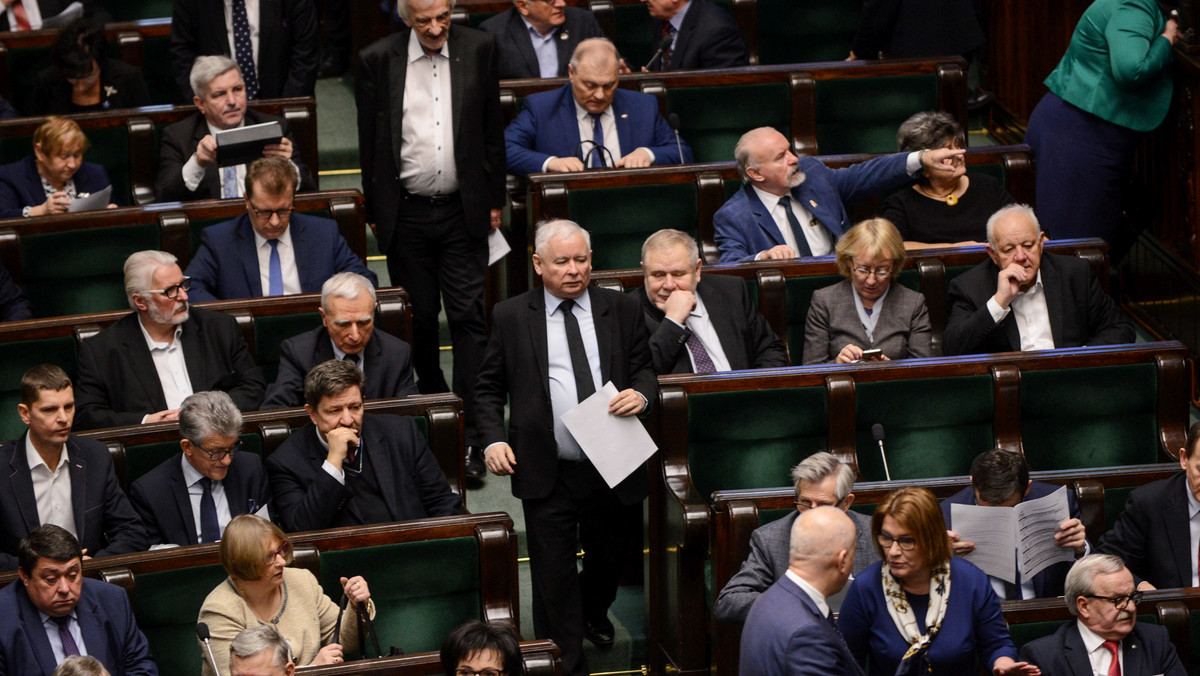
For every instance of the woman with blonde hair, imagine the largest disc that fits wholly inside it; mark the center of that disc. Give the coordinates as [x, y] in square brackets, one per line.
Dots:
[49, 180]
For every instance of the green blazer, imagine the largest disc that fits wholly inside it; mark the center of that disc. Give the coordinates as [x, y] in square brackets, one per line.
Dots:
[1115, 66]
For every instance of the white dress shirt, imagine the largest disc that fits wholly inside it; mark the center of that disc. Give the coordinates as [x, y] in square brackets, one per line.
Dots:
[32, 12]
[171, 367]
[1032, 316]
[427, 145]
[563, 395]
[252, 18]
[287, 262]
[700, 323]
[817, 597]
[1193, 531]
[56, 641]
[52, 488]
[1098, 655]
[820, 240]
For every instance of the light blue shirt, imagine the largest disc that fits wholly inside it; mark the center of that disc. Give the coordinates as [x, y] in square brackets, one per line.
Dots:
[563, 395]
[191, 479]
[51, 628]
[677, 23]
[546, 50]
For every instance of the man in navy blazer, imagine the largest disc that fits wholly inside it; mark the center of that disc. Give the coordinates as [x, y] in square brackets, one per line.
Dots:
[171, 497]
[236, 258]
[789, 631]
[753, 225]
[1000, 478]
[549, 134]
[559, 30]
[53, 608]
[703, 35]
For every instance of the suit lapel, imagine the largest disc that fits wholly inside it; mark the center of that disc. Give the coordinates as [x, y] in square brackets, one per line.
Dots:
[537, 337]
[1074, 651]
[1135, 656]
[177, 488]
[248, 253]
[142, 363]
[568, 121]
[518, 33]
[300, 251]
[458, 76]
[36, 632]
[94, 637]
[1175, 524]
[1054, 300]
[21, 482]
[605, 326]
[381, 464]
[723, 323]
[762, 216]
[193, 356]
[79, 494]
[823, 213]
[625, 132]
[398, 72]
[684, 35]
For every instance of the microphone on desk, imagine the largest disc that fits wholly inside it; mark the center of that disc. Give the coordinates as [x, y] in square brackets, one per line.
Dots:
[662, 47]
[877, 434]
[203, 635]
[673, 120]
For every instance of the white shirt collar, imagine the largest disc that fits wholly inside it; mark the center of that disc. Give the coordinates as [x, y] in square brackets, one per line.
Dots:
[769, 200]
[582, 113]
[416, 51]
[1091, 640]
[1036, 288]
[533, 31]
[155, 345]
[285, 239]
[33, 458]
[817, 597]
[213, 130]
[677, 20]
[699, 311]
[552, 302]
[190, 474]
[1193, 503]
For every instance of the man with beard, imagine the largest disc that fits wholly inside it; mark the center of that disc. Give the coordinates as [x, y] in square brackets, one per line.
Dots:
[792, 207]
[347, 469]
[140, 369]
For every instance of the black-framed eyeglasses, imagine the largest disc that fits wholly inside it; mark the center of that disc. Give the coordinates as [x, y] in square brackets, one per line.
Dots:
[482, 672]
[220, 455]
[1119, 602]
[283, 214]
[172, 291]
[885, 541]
[803, 504]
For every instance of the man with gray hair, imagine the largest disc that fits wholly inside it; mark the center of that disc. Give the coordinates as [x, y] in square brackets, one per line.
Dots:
[190, 498]
[187, 163]
[260, 651]
[140, 369]
[347, 332]
[1023, 299]
[820, 480]
[700, 325]
[1106, 637]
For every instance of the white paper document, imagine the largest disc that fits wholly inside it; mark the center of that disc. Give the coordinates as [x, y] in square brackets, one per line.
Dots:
[91, 201]
[1008, 539]
[616, 446]
[497, 247]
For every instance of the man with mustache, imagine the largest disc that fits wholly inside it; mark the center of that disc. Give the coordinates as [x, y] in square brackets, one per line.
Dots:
[347, 469]
[140, 369]
[1106, 638]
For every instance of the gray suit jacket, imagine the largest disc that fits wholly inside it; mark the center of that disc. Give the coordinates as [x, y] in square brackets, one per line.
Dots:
[769, 560]
[902, 331]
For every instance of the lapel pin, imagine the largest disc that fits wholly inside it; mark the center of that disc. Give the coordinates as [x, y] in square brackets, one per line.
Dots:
[624, 115]
[564, 35]
[813, 203]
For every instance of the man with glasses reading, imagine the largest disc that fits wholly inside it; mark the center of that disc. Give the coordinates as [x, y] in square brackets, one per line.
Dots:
[1106, 637]
[190, 498]
[269, 250]
[140, 369]
[821, 480]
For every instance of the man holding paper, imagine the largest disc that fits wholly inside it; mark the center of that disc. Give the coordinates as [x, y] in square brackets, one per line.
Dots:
[551, 349]
[1000, 478]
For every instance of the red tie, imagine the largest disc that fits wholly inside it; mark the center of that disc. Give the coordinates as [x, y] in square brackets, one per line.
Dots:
[1114, 669]
[18, 12]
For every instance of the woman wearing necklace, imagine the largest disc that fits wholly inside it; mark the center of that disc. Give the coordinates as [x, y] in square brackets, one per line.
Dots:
[942, 209]
[262, 589]
[920, 610]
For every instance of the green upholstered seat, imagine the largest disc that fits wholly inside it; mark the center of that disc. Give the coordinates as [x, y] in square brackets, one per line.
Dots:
[18, 357]
[80, 271]
[166, 605]
[132, 10]
[633, 34]
[799, 299]
[422, 590]
[712, 119]
[270, 332]
[24, 65]
[1114, 504]
[109, 147]
[156, 68]
[1024, 632]
[620, 219]
[862, 115]
[935, 427]
[142, 458]
[802, 32]
[1090, 417]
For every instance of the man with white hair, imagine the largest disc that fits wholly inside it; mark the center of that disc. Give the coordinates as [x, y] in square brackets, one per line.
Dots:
[140, 369]
[347, 332]
[260, 651]
[1106, 637]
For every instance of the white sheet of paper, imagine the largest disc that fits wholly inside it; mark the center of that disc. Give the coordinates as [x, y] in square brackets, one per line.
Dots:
[616, 446]
[94, 201]
[497, 247]
[1037, 522]
[992, 531]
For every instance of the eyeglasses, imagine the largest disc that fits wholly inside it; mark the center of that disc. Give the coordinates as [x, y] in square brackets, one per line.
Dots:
[880, 273]
[220, 455]
[283, 214]
[442, 19]
[1119, 602]
[482, 672]
[285, 550]
[172, 291]
[885, 541]
[803, 505]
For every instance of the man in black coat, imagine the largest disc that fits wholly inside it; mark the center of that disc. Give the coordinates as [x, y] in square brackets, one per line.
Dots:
[536, 38]
[702, 36]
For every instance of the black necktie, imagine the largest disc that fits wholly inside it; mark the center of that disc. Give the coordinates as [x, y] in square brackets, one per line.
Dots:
[210, 528]
[802, 249]
[352, 358]
[584, 386]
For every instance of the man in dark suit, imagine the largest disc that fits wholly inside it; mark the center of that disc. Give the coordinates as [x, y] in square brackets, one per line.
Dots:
[1100, 594]
[700, 325]
[1153, 535]
[282, 49]
[347, 331]
[590, 122]
[1020, 299]
[56, 478]
[347, 469]
[788, 631]
[537, 37]
[187, 162]
[820, 480]
[702, 36]
[550, 349]
[14, 304]
[793, 207]
[269, 251]
[434, 233]
[55, 612]
[140, 369]
[908, 29]
[190, 498]
[1000, 478]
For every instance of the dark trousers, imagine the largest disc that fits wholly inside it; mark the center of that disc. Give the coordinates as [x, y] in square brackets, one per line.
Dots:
[581, 510]
[435, 260]
[336, 16]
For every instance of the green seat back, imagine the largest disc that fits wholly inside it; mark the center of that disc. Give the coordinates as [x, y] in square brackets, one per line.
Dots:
[861, 115]
[1194, 641]
[81, 271]
[133, 10]
[166, 605]
[799, 299]
[24, 65]
[712, 119]
[802, 32]
[156, 69]
[18, 357]
[142, 458]
[1103, 416]
[422, 590]
[775, 429]
[634, 34]
[476, 18]
[270, 332]
[1114, 504]
[935, 426]
[109, 148]
[620, 219]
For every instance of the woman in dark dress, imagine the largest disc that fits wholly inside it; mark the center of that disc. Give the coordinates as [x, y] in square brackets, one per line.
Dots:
[83, 79]
[942, 209]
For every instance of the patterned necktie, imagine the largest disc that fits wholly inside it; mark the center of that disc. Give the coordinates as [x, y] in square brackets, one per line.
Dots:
[64, 635]
[243, 50]
[700, 356]
[274, 270]
[229, 182]
[21, 16]
[665, 62]
[210, 528]
[598, 140]
[1114, 669]
[802, 249]
[584, 386]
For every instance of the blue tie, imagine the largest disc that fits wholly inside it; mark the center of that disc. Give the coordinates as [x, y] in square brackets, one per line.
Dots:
[229, 184]
[210, 528]
[243, 50]
[598, 139]
[275, 273]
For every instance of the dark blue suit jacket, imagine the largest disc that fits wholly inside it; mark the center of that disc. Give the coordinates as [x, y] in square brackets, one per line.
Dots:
[1049, 582]
[106, 621]
[388, 367]
[21, 185]
[161, 497]
[1152, 535]
[517, 58]
[744, 225]
[547, 126]
[708, 38]
[226, 264]
[786, 635]
[1147, 650]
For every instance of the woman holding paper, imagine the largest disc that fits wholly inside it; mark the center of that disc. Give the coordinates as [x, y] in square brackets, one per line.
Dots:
[921, 610]
[49, 180]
